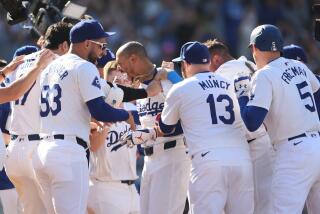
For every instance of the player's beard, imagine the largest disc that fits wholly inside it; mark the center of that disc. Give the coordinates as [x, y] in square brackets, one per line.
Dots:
[92, 58]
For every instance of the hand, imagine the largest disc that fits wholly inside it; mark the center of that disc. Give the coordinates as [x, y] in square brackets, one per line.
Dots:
[130, 121]
[114, 96]
[141, 136]
[162, 74]
[46, 56]
[154, 88]
[242, 86]
[167, 65]
[12, 66]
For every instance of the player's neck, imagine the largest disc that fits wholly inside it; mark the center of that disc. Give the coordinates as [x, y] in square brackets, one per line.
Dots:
[147, 72]
[269, 57]
[77, 50]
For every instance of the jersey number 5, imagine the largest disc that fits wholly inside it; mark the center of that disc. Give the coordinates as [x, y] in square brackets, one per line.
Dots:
[228, 108]
[50, 97]
[305, 95]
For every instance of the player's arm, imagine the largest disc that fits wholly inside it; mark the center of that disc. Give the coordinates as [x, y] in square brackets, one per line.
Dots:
[103, 112]
[253, 112]
[169, 119]
[21, 85]
[315, 86]
[8, 69]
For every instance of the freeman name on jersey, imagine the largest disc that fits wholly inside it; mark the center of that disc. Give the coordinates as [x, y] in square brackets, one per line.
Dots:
[291, 72]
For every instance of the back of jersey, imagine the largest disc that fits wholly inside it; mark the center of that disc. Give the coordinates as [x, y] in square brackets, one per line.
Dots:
[66, 85]
[285, 88]
[25, 111]
[209, 117]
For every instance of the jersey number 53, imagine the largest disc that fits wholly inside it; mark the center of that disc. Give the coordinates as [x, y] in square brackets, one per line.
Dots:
[50, 100]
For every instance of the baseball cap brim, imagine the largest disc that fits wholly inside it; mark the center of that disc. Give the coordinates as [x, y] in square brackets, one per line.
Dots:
[178, 59]
[107, 34]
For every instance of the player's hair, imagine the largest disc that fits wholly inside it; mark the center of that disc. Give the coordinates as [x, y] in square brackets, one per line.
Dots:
[133, 47]
[56, 34]
[110, 66]
[217, 47]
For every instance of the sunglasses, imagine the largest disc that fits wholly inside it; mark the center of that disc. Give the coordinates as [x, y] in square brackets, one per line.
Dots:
[103, 46]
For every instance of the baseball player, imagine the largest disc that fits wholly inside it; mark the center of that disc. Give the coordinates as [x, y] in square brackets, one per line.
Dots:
[8, 194]
[284, 96]
[295, 52]
[166, 169]
[70, 94]
[221, 171]
[25, 122]
[259, 142]
[112, 174]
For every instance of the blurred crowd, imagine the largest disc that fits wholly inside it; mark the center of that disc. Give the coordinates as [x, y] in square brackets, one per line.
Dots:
[164, 25]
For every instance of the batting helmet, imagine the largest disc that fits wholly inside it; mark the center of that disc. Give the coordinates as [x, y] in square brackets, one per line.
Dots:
[267, 38]
[294, 52]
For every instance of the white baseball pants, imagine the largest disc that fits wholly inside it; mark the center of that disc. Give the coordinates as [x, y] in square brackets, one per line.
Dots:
[10, 202]
[113, 197]
[20, 171]
[62, 173]
[296, 176]
[164, 183]
[262, 155]
[215, 187]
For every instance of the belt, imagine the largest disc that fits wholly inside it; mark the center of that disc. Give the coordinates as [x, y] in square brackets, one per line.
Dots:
[79, 142]
[249, 141]
[148, 151]
[297, 136]
[31, 137]
[129, 182]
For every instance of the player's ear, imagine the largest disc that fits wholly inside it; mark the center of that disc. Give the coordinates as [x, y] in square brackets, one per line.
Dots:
[86, 43]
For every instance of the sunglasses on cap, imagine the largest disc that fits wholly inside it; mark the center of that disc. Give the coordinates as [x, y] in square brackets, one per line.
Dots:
[103, 46]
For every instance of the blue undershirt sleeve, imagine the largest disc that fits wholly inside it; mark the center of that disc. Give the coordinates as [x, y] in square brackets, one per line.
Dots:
[102, 111]
[252, 116]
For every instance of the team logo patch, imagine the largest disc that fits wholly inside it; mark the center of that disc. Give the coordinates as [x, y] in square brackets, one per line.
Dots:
[96, 83]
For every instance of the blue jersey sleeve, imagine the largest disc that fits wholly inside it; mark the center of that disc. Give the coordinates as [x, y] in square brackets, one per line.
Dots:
[252, 116]
[102, 111]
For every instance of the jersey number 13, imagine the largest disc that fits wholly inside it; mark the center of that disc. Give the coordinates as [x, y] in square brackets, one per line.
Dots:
[228, 108]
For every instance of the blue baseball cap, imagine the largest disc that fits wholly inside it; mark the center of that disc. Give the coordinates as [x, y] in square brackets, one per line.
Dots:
[25, 50]
[267, 38]
[194, 53]
[294, 52]
[109, 56]
[88, 30]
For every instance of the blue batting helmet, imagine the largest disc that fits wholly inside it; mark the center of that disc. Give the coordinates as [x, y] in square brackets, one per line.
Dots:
[267, 38]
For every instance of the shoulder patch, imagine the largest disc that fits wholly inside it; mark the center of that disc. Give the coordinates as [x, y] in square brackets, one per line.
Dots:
[96, 82]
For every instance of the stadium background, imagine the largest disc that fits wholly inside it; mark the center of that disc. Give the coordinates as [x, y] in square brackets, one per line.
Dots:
[164, 25]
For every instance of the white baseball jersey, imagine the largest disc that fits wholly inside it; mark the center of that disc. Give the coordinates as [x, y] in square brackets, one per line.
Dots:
[66, 85]
[209, 117]
[150, 107]
[229, 70]
[107, 165]
[25, 118]
[285, 88]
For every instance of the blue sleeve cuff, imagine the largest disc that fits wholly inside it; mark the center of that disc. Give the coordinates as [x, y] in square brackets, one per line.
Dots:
[174, 77]
[166, 129]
